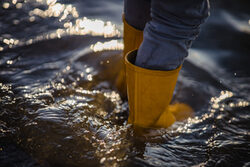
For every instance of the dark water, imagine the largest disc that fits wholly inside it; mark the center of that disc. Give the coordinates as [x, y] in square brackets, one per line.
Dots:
[58, 105]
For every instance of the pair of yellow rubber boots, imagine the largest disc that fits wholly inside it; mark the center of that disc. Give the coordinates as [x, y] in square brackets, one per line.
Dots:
[149, 91]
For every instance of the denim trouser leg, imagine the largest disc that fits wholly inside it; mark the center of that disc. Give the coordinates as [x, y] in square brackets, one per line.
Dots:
[168, 36]
[137, 12]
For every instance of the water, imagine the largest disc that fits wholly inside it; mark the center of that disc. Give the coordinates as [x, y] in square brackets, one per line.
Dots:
[59, 106]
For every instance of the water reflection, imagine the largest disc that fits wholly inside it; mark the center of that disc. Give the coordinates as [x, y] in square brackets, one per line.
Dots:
[110, 45]
[59, 105]
[68, 20]
[6, 5]
[239, 25]
[55, 9]
[216, 102]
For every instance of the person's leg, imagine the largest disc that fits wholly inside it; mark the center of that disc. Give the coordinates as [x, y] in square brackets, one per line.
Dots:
[168, 36]
[137, 13]
[152, 72]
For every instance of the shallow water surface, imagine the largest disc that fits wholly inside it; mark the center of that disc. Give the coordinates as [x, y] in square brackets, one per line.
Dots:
[59, 106]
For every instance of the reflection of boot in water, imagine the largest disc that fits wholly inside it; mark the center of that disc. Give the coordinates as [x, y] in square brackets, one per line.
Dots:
[149, 95]
[132, 39]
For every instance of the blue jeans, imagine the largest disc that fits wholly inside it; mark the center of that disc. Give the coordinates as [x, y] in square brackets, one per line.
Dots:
[169, 28]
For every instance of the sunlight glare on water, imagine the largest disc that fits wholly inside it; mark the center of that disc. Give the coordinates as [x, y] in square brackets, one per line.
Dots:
[110, 45]
[63, 14]
[59, 105]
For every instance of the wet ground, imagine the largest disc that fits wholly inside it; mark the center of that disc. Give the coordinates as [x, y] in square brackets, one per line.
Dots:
[59, 107]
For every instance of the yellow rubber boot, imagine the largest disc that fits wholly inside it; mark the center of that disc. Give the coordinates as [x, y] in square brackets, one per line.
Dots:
[132, 39]
[149, 95]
